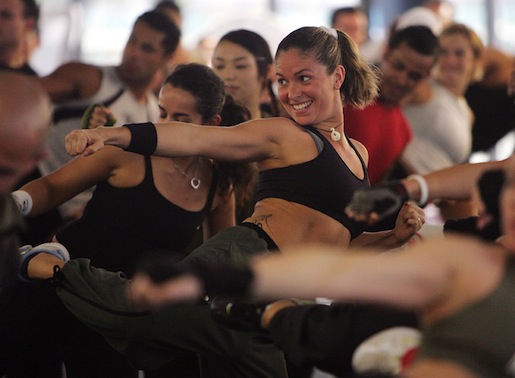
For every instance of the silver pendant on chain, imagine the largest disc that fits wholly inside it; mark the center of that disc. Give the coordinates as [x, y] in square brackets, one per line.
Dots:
[195, 183]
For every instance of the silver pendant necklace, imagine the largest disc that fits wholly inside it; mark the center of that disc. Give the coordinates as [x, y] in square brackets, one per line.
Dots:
[194, 181]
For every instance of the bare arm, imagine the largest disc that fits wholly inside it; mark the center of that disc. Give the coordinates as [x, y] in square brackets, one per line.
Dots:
[72, 80]
[81, 173]
[414, 279]
[249, 141]
[453, 183]
[254, 140]
[410, 220]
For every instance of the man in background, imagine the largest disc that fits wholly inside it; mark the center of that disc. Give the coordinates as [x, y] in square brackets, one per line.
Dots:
[354, 22]
[18, 25]
[381, 126]
[127, 89]
[25, 115]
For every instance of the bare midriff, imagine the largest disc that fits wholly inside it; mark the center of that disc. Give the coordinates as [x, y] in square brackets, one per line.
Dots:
[290, 224]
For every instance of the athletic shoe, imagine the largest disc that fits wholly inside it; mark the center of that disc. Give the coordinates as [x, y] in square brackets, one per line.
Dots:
[386, 351]
[27, 252]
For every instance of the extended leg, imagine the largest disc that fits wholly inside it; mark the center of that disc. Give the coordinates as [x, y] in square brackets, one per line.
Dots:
[150, 339]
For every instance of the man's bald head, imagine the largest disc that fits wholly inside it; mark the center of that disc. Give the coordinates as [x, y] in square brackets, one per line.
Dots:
[25, 115]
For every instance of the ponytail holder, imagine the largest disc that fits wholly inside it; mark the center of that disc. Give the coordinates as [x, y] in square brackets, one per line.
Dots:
[330, 31]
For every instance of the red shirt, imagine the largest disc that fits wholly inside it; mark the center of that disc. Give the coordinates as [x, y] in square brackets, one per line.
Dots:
[384, 132]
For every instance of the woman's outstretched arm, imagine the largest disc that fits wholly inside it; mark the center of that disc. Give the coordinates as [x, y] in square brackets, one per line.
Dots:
[253, 140]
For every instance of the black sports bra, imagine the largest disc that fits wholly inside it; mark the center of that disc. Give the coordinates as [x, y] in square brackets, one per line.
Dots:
[325, 183]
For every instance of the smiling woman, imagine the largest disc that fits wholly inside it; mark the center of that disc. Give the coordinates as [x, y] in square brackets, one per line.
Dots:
[298, 202]
[317, 72]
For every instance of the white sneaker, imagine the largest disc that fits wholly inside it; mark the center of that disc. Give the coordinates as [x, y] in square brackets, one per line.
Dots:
[384, 351]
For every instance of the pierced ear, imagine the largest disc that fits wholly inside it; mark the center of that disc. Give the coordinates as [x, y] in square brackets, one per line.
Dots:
[339, 77]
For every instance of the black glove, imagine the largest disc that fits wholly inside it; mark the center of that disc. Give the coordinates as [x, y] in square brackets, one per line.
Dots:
[384, 199]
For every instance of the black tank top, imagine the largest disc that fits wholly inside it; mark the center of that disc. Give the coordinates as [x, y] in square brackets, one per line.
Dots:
[324, 184]
[120, 225]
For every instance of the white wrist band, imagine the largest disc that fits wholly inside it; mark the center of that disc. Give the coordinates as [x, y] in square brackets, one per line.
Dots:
[424, 190]
[23, 200]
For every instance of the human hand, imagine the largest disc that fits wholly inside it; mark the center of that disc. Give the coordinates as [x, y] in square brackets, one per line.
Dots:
[97, 115]
[146, 293]
[85, 142]
[162, 279]
[377, 203]
[410, 220]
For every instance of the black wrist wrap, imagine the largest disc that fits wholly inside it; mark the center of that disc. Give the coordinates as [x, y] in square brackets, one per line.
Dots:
[384, 199]
[143, 138]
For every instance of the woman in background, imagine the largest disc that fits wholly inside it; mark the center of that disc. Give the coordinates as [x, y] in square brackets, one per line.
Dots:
[144, 205]
[243, 60]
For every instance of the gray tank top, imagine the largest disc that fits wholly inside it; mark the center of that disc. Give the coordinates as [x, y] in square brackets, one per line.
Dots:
[482, 336]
